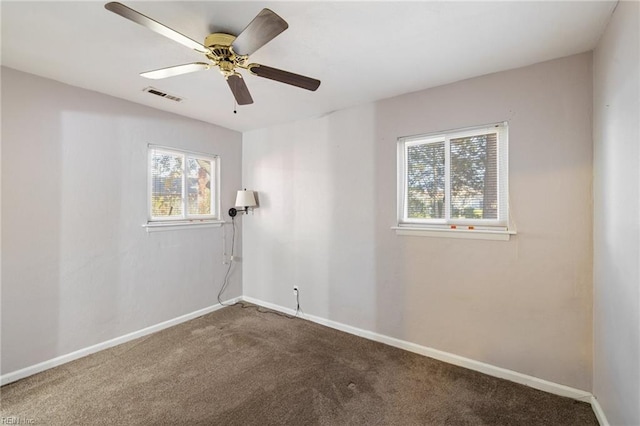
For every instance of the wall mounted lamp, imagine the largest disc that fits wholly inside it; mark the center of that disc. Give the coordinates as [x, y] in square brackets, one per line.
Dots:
[244, 200]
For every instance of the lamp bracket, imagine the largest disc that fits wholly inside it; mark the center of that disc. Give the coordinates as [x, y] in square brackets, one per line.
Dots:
[233, 212]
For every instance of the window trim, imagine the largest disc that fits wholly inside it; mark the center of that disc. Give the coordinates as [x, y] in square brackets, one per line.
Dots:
[470, 227]
[174, 226]
[186, 221]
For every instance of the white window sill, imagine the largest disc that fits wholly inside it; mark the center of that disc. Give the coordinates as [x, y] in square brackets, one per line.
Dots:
[475, 234]
[172, 226]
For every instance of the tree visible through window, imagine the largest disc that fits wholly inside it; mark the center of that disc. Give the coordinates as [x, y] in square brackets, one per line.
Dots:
[425, 176]
[182, 185]
[456, 177]
[474, 177]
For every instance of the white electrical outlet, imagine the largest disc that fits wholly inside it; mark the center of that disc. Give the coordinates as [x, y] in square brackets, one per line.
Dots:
[295, 290]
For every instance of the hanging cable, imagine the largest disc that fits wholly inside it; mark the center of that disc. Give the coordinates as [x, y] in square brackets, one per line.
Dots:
[225, 282]
[298, 309]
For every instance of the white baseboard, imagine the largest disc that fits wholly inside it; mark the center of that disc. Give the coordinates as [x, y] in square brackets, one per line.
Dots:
[45, 365]
[491, 370]
[599, 412]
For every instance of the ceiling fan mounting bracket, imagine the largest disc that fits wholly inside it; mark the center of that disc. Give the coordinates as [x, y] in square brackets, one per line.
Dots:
[219, 39]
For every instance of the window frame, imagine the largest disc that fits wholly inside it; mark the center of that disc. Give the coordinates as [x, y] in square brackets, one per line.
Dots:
[185, 219]
[499, 225]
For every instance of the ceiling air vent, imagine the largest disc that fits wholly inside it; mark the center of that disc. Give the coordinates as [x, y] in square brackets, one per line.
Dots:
[157, 92]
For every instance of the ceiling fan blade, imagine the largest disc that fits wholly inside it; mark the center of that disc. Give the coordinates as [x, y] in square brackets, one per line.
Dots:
[284, 76]
[264, 28]
[239, 89]
[176, 70]
[153, 25]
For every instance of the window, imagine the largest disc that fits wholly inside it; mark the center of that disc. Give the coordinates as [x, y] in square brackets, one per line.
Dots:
[454, 180]
[183, 186]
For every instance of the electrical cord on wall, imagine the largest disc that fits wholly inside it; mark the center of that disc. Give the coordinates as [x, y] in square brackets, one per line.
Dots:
[280, 314]
[225, 283]
[298, 309]
[257, 308]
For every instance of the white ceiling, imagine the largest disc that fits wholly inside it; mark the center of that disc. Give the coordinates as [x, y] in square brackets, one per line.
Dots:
[361, 51]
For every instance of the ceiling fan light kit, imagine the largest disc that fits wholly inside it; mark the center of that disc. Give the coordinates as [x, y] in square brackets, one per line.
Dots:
[226, 52]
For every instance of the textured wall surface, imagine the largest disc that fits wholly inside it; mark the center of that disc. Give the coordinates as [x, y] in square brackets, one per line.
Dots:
[616, 373]
[78, 268]
[328, 201]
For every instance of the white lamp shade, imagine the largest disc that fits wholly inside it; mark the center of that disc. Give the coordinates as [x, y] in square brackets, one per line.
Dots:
[245, 199]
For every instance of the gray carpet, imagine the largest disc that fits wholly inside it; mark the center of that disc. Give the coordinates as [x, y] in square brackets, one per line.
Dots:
[238, 366]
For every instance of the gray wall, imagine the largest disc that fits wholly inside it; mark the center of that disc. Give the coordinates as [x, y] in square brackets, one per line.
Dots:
[328, 200]
[616, 373]
[77, 267]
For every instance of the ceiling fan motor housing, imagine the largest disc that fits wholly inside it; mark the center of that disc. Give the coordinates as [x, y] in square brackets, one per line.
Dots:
[222, 53]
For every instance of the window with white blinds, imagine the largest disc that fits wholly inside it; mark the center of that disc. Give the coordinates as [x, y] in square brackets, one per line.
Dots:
[454, 179]
[182, 185]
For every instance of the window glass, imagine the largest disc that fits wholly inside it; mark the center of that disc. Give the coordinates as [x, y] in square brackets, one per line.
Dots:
[183, 185]
[199, 186]
[456, 177]
[166, 184]
[474, 177]
[425, 180]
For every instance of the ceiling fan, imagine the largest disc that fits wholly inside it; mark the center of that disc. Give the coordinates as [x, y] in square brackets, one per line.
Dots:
[225, 51]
